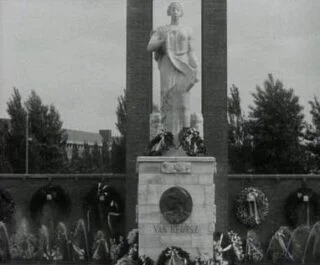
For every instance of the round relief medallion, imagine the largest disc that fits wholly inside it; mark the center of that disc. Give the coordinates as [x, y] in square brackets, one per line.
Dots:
[176, 205]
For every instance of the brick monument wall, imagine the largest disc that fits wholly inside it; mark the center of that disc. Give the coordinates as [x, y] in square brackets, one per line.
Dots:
[139, 95]
[214, 97]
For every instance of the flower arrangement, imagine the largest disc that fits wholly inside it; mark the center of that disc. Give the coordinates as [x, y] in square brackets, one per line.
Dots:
[219, 250]
[23, 243]
[160, 144]
[170, 255]
[118, 248]
[101, 205]
[133, 237]
[296, 199]
[144, 260]
[236, 242]
[252, 206]
[7, 205]
[254, 252]
[191, 142]
[278, 249]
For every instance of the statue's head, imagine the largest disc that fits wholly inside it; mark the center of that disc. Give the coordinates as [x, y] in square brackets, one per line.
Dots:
[175, 8]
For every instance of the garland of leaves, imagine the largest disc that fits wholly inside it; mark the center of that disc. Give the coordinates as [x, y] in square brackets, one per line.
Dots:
[7, 205]
[160, 144]
[173, 252]
[242, 208]
[191, 142]
[50, 194]
[297, 198]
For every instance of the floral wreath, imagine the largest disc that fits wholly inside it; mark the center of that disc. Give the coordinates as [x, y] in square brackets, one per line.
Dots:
[7, 205]
[191, 142]
[50, 194]
[171, 253]
[102, 195]
[160, 143]
[298, 197]
[252, 206]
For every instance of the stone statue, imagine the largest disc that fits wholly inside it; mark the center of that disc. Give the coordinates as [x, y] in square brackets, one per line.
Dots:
[172, 45]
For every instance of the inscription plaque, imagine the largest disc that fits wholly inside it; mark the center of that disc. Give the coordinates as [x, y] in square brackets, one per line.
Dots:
[176, 205]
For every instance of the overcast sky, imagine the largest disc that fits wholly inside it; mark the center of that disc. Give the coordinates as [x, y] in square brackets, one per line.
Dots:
[73, 53]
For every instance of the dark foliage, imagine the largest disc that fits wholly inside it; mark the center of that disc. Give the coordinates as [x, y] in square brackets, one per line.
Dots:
[239, 138]
[118, 156]
[276, 125]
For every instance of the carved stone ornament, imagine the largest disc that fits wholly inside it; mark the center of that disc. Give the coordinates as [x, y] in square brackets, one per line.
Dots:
[176, 167]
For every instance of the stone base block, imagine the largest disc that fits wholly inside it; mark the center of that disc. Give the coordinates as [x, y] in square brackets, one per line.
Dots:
[193, 176]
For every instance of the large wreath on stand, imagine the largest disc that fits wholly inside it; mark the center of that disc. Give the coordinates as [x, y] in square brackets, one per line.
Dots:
[7, 206]
[106, 197]
[173, 254]
[252, 206]
[296, 199]
[102, 205]
[51, 194]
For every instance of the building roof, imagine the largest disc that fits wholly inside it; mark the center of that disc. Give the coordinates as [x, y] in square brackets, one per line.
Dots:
[80, 137]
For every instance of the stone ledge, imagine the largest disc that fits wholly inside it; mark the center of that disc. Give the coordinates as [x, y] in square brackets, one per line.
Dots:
[158, 159]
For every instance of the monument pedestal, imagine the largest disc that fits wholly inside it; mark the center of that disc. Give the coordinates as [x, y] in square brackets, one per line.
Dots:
[176, 204]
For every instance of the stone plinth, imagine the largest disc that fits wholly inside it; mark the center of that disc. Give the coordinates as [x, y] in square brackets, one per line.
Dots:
[194, 176]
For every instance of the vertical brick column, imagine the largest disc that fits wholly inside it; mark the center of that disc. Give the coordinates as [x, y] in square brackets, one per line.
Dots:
[139, 95]
[214, 97]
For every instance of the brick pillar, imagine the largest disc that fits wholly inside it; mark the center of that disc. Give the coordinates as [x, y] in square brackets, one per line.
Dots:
[139, 95]
[214, 97]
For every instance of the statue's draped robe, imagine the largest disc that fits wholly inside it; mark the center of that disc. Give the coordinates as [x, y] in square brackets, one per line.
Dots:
[177, 76]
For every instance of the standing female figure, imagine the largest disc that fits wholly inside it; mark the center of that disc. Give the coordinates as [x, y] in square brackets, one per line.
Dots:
[172, 45]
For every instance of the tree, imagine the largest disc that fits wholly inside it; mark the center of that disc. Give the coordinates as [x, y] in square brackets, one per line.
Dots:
[313, 137]
[75, 161]
[276, 126]
[96, 159]
[17, 140]
[5, 165]
[86, 160]
[122, 116]
[239, 139]
[105, 156]
[118, 154]
[47, 138]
